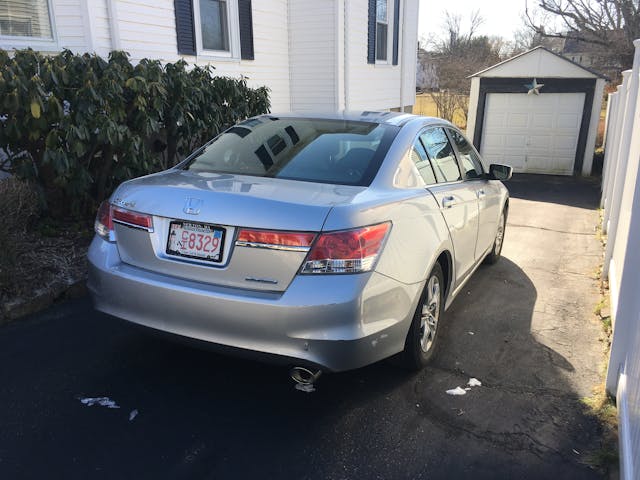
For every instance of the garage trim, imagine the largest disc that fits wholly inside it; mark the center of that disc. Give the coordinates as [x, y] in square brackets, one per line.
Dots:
[551, 85]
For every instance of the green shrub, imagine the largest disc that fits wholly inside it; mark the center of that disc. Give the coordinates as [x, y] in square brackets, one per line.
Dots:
[78, 125]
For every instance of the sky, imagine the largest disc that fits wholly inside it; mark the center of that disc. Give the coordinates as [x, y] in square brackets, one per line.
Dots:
[501, 17]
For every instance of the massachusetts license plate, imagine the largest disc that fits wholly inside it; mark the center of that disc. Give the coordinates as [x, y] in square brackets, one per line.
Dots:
[196, 240]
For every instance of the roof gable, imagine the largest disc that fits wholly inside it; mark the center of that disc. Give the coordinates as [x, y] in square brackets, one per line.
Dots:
[538, 62]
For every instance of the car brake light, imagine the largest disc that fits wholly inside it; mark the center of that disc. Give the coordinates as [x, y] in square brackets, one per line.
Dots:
[273, 239]
[107, 214]
[133, 219]
[349, 251]
[103, 225]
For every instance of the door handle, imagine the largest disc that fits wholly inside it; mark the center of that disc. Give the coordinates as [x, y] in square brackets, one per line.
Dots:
[448, 202]
[480, 193]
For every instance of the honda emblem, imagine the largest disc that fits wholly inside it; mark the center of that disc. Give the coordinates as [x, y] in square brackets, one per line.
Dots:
[192, 206]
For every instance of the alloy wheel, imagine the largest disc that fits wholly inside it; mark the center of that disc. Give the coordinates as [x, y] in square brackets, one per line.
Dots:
[499, 235]
[430, 314]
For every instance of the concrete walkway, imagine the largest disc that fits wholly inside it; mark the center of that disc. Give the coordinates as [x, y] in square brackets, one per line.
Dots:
[524, 327]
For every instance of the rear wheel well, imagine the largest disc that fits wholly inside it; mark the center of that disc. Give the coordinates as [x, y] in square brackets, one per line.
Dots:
[445, 264]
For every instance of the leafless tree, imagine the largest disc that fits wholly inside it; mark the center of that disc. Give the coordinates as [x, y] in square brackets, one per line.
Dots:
[611, 24]
[446, 103]
[523, 39]
[462, 53]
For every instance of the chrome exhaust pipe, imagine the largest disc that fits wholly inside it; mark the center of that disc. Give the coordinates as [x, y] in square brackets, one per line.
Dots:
[304, 376]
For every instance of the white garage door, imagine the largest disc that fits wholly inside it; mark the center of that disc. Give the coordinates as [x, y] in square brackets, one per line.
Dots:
[532, 133]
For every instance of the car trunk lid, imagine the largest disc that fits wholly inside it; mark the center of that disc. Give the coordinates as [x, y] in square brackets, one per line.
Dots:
[229, 203]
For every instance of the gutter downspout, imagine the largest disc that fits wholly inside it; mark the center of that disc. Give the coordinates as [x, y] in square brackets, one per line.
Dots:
[346, 56]
[401, 4]
[113, 24]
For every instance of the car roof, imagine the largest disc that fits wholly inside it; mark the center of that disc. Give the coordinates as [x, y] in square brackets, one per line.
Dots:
[389, 118]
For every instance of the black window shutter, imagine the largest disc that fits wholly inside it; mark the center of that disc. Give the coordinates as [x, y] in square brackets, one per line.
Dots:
[185, 27]
[396, 29]
[371, 33]
[246, 29]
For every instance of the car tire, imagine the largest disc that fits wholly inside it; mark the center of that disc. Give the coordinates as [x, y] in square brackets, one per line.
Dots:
[422, 340]
[496, 250]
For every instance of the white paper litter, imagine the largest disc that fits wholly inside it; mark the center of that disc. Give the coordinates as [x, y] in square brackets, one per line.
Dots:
[102, 401]
[474, 382]
[133, 414]
[457, 391]
[471, 333]
[305, 387]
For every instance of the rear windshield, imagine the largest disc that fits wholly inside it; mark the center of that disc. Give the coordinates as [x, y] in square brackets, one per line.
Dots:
[313, 150]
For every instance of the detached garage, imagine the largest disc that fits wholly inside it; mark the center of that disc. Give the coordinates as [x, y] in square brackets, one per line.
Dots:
[537, 112]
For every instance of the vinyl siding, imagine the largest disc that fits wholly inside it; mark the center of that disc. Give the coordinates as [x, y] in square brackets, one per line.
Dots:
[409, 31]
[148, 29]
[377, 87]
[325, 42]
[70, 24]
[312, 55]
[101, 31]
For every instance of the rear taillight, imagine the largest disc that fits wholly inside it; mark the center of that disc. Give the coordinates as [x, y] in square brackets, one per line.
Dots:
[108, 214]
[104, 222]
[348, 251]
[276, 240]
[133, 219]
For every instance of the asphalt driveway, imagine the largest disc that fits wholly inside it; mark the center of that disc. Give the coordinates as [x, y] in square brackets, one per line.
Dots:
[524, 327]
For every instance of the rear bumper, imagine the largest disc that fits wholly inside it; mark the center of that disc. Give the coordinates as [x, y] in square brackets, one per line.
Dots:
[335, 322]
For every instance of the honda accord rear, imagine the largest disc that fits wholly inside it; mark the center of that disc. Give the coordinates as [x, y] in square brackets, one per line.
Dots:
[302, 240]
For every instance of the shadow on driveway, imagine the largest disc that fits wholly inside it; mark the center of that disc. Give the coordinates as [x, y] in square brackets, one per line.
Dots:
[207, 416]
[582, 192]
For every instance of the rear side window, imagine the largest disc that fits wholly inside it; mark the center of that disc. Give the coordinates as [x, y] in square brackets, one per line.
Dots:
[422, 163]
[440, 151]
[313, 150]
[469, 159]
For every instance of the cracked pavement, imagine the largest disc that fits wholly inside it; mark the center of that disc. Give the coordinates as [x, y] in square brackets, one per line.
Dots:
[535, 346]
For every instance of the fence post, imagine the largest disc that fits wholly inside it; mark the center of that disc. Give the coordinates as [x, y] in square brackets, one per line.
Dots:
[609, 147]
[629, 99]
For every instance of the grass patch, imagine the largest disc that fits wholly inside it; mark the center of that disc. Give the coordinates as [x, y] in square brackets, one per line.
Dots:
[603, 408]
[600, 405]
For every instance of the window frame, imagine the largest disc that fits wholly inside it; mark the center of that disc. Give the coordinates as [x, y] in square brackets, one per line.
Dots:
[418, 143]
[431, 160]
[448, 130]
[390, 33]
[233, 27]
[10, 42]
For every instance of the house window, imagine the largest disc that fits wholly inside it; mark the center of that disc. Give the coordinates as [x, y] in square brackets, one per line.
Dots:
[214, 21]
[382, 28]
[217, 28]
[26, 19]
[214, 28]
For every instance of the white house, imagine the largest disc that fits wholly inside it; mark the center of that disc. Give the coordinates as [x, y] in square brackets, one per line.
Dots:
[314, 55]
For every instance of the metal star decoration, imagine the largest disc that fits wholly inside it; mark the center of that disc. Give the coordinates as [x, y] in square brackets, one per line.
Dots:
[534, 87]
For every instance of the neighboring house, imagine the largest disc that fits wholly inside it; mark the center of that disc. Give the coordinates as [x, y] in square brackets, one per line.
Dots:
[585, 53]
[427, 71]
[314, 55]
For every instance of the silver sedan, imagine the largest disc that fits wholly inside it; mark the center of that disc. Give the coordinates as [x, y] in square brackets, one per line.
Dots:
[328, 242]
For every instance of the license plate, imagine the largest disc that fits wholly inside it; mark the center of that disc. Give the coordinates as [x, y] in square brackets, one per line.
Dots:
[196, 240]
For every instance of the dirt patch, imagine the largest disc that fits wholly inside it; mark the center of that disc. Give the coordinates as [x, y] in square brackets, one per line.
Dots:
[44, 269]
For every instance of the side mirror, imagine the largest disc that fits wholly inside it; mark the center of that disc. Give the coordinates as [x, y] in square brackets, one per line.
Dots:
[500, 172]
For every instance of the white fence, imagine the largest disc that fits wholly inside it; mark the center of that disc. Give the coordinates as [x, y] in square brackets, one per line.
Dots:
[621, 223]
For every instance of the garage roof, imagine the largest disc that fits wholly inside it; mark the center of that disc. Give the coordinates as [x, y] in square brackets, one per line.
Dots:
[538, 62]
